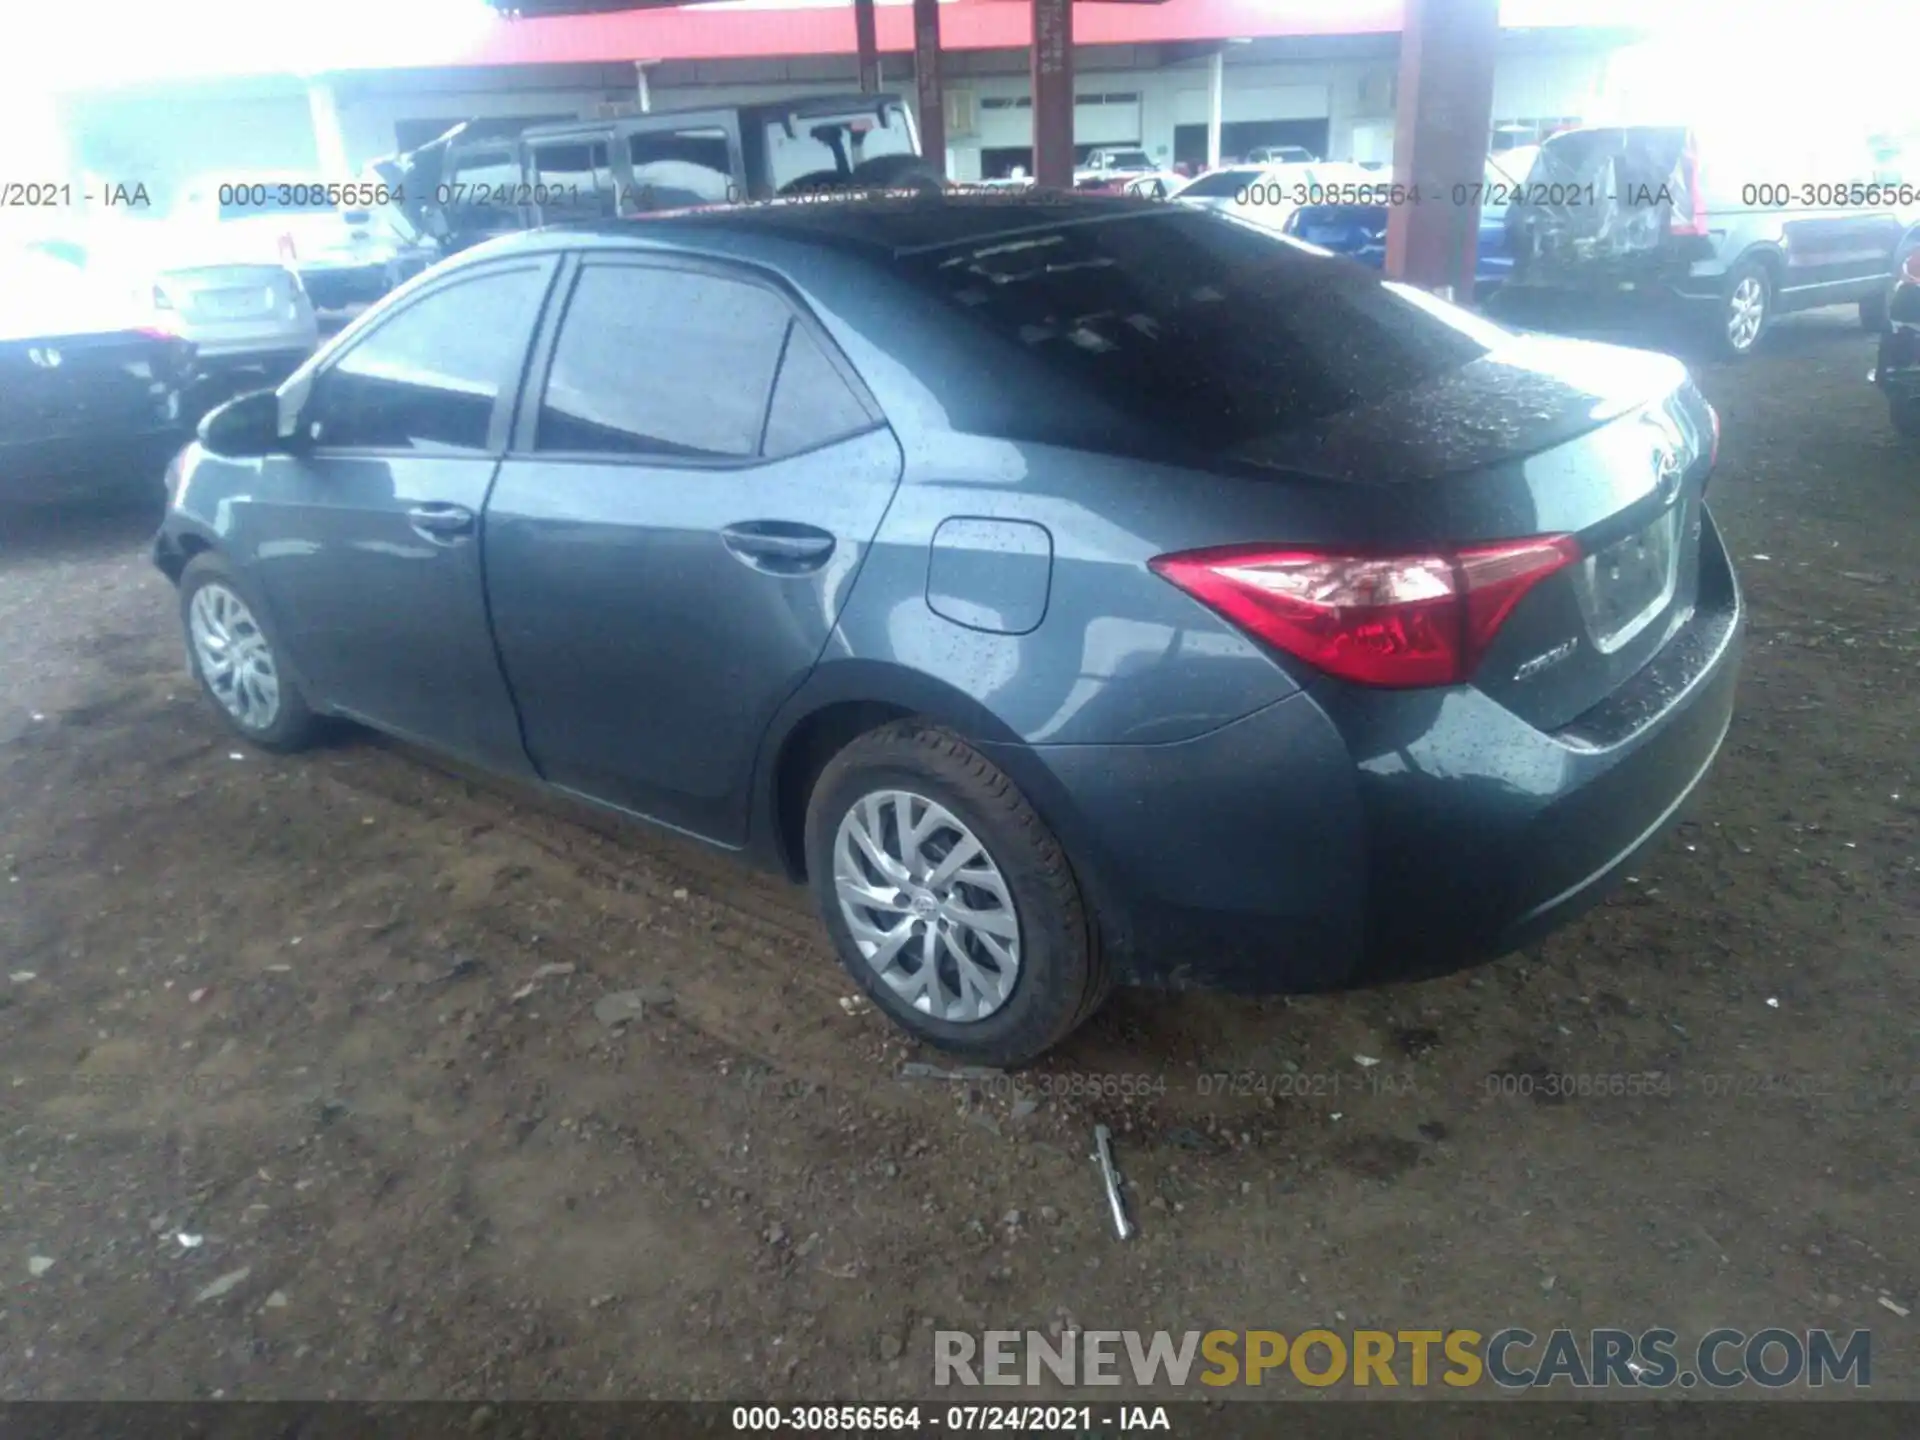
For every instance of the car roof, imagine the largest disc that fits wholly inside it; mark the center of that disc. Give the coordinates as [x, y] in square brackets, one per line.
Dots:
[884, 227]
[799, 106]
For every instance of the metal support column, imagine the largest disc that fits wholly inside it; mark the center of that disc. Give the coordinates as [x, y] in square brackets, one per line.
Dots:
[1053, 93]
[323, 108]
[926, 76]
[867, 42]
[1216, 94]
[1440, 140]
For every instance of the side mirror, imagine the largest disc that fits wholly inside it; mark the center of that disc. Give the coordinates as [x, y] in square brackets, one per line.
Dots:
[245, 427]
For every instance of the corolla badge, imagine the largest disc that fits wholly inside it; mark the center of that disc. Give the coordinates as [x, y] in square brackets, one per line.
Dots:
[45, 356]
[1547, 660]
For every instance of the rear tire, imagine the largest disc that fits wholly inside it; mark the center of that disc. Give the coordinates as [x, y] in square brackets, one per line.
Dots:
[1000, 992]
[237, 660]
[1745, 312]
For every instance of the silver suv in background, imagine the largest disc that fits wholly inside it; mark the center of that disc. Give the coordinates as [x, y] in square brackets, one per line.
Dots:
[1727, 226]
[349, 243]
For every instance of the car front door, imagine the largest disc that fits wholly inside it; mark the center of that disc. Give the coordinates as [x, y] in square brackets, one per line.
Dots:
[684, 510]
[366, 541]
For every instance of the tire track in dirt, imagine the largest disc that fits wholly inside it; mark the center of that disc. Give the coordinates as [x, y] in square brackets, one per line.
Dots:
[746, 967]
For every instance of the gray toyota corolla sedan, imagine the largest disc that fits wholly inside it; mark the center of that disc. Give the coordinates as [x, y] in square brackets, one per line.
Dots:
[1069, 593]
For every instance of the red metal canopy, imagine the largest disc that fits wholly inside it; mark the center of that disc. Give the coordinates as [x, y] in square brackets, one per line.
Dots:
[665, 32]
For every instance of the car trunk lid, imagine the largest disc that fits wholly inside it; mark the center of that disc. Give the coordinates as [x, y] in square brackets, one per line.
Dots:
[1541, 438]
[94, 383]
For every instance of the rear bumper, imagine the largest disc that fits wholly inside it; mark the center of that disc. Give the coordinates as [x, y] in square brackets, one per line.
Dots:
[1344, 836]
[335, 287]
[1897, 370]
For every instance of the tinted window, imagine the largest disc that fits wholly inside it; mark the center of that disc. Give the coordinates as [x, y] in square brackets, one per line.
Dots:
[428, 378]
[812, 404]
[662, 362]
[1203, 328]
[576, 180]
[674, 168]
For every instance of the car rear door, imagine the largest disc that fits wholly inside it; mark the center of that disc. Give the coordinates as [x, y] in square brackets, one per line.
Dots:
[695, 478]
[366, 541]
[1839, 230]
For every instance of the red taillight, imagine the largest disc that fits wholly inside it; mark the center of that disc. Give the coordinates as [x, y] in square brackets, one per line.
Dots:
[1910, 269]
[1400, 621]
[287, 252]
[1695, 220]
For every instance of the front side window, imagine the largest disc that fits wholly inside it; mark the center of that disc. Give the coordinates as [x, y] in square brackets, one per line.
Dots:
[573, 181]
[428, 379]
[662, 363]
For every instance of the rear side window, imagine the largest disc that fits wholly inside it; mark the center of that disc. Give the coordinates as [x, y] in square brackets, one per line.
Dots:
[662, 363]
[677, 168]
[428, 379]
[1215, 333]
[812, 403]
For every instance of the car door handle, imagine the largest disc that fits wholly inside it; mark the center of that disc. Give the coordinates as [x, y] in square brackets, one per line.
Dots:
[779, 545]
[441, 521]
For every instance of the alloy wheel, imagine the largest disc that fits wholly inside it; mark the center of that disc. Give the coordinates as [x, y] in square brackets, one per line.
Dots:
[234, 656]
[927, 906]
[1746, 312]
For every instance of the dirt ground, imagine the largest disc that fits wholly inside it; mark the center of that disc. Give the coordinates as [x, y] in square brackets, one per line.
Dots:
[288, 1019]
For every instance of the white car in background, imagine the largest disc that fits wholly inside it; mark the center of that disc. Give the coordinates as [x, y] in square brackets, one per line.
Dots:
[348, 243]
[1267, 194]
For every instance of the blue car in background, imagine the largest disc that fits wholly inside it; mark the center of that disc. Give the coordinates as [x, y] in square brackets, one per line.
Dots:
[1360, 231]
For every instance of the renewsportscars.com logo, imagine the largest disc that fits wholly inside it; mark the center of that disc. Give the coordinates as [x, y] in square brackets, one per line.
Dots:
[1512, 1358]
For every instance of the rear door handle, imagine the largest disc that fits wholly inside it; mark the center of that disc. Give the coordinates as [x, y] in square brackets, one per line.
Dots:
[779, 545]
[439, 521]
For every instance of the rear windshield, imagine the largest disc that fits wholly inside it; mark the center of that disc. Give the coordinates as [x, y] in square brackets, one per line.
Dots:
[1580, 155]
[1220, 184]
[247, 202]
[1201, 327]
[823, 149]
